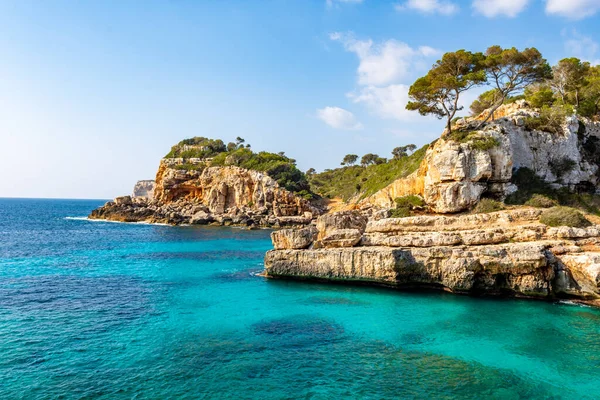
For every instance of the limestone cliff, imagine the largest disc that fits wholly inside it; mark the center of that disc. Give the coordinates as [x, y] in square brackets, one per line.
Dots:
[220, 195]
[458, 170]
[502, 253]
[144, 189]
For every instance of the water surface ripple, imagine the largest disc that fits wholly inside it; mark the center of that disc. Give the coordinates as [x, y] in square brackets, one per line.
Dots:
[119, 311]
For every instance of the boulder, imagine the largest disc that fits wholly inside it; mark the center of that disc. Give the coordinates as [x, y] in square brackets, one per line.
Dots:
[341, 238]
[343, 220]
[144, 189]
[123, 201]
[201, 218]
[294, 238]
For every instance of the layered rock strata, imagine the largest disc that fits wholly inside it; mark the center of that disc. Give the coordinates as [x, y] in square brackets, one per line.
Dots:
[213, 195]
[501, 253]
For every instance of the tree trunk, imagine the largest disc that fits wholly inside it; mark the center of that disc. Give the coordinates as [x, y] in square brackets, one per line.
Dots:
[491, 113]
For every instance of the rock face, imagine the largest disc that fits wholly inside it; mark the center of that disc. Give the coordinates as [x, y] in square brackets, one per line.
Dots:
[454, 176]
[294, 238]
[501, 253]
[144, 189]
[215, 195]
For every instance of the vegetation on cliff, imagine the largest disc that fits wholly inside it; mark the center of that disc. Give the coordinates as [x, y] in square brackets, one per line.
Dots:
[507, 71]
[571, 86]
[534, 191]
[564, 216]
[214, 152]
[364, 180]
[405, 205]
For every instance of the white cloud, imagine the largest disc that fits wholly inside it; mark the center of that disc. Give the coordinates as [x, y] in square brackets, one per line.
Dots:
[339, 118]
[494, 8]
[429, 6]
[331, 3]
[386, 102]
[582, 47]
[574, 9]
[383, 63]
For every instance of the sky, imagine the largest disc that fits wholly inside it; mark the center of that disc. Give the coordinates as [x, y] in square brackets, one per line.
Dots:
[94, 93]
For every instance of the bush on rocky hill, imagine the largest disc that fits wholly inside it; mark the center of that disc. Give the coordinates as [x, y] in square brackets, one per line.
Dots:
[350, 181]
[564, 216]
[488, 206]
[541, 201]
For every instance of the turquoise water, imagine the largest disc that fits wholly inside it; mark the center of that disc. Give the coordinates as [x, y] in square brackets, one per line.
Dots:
[120, 311]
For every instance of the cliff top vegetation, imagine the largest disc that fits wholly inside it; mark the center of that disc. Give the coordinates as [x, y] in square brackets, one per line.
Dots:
[214, 152]
[373, 174]
[571, 86]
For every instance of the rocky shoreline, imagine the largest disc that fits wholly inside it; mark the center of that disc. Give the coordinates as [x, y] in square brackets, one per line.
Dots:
[216, 196]
[447, 247]
[507, 253]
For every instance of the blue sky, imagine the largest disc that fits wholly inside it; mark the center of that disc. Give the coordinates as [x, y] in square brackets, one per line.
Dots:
[94, 93]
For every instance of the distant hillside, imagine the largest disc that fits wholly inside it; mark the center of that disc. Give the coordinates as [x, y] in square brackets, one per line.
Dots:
[362, 181]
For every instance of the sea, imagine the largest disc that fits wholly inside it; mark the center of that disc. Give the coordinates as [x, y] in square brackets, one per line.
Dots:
[103, 310]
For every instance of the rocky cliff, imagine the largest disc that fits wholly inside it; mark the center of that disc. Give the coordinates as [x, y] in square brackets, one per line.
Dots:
[144, 189]
[460, 168]
[501, 253]
[217, 195]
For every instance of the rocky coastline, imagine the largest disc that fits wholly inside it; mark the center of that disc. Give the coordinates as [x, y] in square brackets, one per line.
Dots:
[506, 253]
[446, 246]
[215, 196]
[450, 247]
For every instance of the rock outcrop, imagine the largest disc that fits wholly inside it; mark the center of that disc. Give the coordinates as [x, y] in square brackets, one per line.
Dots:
[456, 172]
[501, 253]
[212, 195]
[144, 189]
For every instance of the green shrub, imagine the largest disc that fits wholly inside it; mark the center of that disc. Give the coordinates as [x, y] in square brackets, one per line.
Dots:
[411, 202]
[484, 101]
[541, 201]
[561, 166]
[487, 206]
[564, 216]
[353, 181]
[405, 205]
[400, 212]
[551, 119]
[530, 184]
[539, 95]
[278, 166]
[476, 139]
[197, 147]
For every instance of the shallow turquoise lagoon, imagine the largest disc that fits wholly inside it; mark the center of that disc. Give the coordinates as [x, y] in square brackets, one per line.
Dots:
[111, 311]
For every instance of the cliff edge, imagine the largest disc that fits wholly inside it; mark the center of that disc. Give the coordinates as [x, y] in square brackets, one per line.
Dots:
[508, 253]
[201, 183]
[462, 167]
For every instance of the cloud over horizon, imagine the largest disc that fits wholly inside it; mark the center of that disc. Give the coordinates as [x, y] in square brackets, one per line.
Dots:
[582, 47]
[339, 118]
[495, 8]
[429, 6]
[331, 3]
[573, 9]
[382, 70]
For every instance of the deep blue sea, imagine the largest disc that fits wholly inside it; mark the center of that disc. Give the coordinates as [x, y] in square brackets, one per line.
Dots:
[101, 310]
